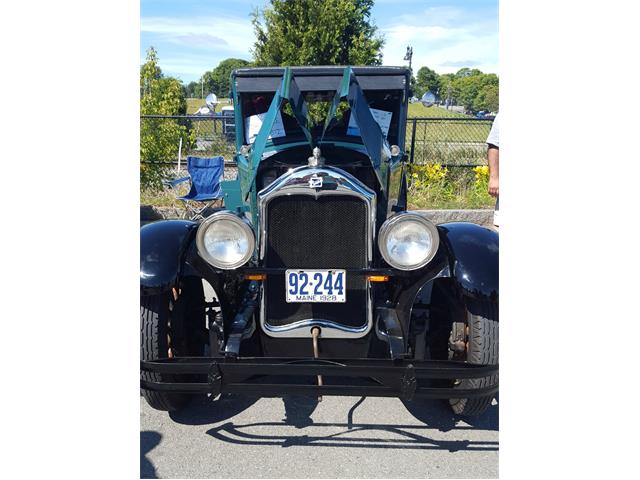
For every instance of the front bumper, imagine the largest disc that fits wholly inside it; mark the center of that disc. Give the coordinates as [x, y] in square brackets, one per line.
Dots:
[274, 377]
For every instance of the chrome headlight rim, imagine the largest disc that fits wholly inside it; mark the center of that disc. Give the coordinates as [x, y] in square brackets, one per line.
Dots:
[244, 225]
[388, 226]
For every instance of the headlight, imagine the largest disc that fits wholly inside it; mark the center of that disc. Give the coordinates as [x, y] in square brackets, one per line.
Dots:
[225, 240]
[408, 241]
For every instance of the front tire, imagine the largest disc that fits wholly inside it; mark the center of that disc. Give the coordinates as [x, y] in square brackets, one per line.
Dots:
[154, 344]
[170, 327]
[481, 328]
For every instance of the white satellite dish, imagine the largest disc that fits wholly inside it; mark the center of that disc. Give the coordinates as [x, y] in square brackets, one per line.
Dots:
[204, 110]
[211, 101]
[428, 99]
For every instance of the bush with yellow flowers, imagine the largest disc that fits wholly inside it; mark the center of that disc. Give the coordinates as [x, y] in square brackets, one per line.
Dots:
[434, 186]
[481, 184]
[430, 182]
[482, 173]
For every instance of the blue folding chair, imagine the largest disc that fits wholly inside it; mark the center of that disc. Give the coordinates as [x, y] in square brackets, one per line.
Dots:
[205, 175]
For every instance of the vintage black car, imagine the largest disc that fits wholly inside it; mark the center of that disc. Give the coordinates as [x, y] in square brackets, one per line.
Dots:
[325, 284]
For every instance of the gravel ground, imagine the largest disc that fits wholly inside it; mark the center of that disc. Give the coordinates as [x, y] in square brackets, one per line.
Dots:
[295, 437]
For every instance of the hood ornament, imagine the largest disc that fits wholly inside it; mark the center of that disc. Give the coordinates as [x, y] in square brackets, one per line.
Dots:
[316, 160]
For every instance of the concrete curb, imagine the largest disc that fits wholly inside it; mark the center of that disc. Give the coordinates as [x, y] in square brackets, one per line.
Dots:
[149, 213]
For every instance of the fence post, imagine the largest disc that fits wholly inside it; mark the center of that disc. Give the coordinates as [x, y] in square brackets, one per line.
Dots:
[179, 154]
[413, 139]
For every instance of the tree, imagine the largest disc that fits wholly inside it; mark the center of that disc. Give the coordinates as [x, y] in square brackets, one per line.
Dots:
[222, 75]
[427, 80]
[467, 72]
[209, 82]
[445, 86]
[487, 99]
[149, 71]
[316, 32]
[159, 138]
[192, 90]
[466, 88]
[159, 95]
[413, 86]
[218, 80]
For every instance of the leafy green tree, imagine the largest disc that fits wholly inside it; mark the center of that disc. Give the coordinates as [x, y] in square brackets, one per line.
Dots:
[149, 71]
[463, 72]
[467, 72]
[316, 32]
[487, 99]
[210, 84]
[413, 86]
[466, 88]
[221, 75]
[445, 86]
[218, 80]
[159, 138]
[427, 80]
[192, 90]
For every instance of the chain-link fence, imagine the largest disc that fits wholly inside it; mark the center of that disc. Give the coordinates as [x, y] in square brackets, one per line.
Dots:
[451, 142]
[188, 135]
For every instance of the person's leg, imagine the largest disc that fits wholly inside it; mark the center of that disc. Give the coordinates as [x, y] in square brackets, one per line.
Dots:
[496, 212]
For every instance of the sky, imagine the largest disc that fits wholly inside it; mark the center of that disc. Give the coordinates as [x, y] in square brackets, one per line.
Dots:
[193, 36]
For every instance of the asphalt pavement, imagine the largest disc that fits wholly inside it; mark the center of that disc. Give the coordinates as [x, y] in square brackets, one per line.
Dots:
[297, 437]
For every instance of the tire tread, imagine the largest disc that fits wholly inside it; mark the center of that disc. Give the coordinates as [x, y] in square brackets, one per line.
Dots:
[483, 350]
[153, 333]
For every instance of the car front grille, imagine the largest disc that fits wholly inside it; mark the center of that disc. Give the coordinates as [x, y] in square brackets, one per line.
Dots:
[316, 233]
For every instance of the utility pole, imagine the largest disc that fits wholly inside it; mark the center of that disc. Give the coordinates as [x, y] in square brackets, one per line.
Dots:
[409, 55]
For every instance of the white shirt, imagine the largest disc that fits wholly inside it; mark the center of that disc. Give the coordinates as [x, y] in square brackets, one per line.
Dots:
[493, 134]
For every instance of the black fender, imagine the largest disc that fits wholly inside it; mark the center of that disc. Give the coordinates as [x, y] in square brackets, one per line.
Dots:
[473, 258]
[162, 249]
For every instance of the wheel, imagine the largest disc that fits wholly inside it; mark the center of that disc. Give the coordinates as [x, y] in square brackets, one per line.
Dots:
[171, 327]
[480, 346]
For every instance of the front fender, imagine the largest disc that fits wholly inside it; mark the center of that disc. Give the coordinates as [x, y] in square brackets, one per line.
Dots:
[162, 248]
[473, 256]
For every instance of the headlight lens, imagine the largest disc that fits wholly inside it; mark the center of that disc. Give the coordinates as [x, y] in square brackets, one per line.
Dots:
[225, 240]
[408, 241]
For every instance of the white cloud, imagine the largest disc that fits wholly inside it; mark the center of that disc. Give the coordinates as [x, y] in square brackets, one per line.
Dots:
[200, 40]
[444, 39]
[232, 34]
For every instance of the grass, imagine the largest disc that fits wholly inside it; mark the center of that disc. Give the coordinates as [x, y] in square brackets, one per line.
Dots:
[419, 110]
[165, 197]
[465, 200]
[193, 104]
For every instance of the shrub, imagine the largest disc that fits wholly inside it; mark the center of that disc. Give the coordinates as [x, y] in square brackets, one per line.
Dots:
[433, 186]
[430, 181]
[159, 139]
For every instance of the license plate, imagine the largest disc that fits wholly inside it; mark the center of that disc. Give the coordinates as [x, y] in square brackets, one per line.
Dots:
[319, 286]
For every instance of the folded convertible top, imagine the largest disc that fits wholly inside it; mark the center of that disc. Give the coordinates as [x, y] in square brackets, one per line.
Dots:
[320, 78]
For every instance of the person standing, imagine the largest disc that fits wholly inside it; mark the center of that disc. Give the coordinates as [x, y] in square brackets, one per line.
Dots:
[493, 155]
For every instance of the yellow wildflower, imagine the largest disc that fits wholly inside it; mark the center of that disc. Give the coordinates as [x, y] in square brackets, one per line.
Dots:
[435, 171]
